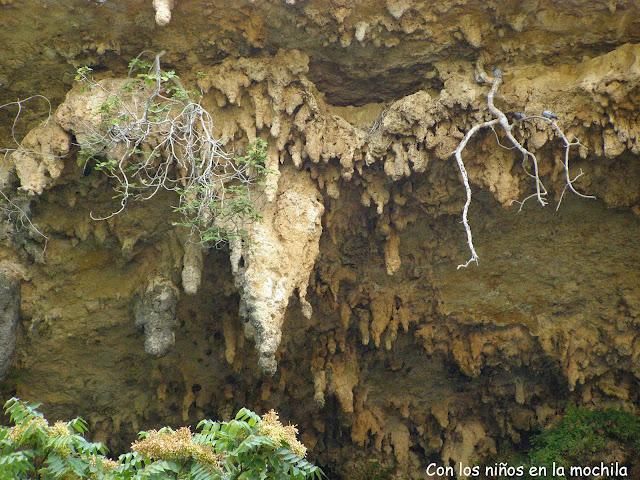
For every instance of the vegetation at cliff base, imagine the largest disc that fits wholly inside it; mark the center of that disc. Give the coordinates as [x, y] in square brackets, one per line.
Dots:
[248, 447]
[585, 436]
[582, 437]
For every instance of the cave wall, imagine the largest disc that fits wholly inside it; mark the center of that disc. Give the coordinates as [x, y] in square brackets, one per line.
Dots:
[375, 345]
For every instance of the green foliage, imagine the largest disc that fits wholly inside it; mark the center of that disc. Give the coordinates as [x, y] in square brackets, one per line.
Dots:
[168, 80]
[34, 449]
[84, 77]
[583, 434]
[246, 448]
[579, 438]
[232, 206]
[250, 453]
[110, 105]
[138, 64]
[256, 157]
[154, 135]
[83, 74]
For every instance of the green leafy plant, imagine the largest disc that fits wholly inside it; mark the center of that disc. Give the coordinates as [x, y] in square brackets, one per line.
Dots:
[580, 437]
[34, 449]
[232, 206]
[583, 434]
[248, 447]
[155, 135]
[83, 74]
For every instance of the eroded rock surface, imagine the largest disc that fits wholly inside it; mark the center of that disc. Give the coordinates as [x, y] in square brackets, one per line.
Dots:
[404, 360]
[163, 11]
[39, 162]
[155, 312]
[276, 260]
[193, 263]
[9, 313]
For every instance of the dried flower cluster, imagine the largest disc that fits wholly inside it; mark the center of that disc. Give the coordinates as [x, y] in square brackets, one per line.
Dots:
[273, 428]
[175, 445]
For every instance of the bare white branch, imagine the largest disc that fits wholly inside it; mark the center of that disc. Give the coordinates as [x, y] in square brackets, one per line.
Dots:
[501, 119]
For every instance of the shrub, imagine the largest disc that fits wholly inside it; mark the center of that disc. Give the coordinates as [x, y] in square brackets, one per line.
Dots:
[583, 435]
[246, 448]
[153, 135]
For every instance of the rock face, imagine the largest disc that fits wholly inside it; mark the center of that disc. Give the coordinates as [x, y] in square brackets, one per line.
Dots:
[9, 316]
[344, 309]
[39, 163]
[276, 260]
[155, 312]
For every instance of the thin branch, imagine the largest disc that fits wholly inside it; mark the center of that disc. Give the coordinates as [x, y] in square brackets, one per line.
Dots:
[19, 105]
[567, 147]
[498, 140]
[11, 210]
[22, 217]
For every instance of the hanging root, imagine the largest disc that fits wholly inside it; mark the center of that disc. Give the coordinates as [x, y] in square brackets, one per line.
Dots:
[20, 106]
[10, 211]
[528, 158]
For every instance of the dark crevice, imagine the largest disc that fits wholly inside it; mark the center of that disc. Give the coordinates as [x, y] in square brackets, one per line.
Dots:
[342, 87]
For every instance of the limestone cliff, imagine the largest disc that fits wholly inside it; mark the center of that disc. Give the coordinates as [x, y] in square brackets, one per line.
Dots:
[344, 309]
